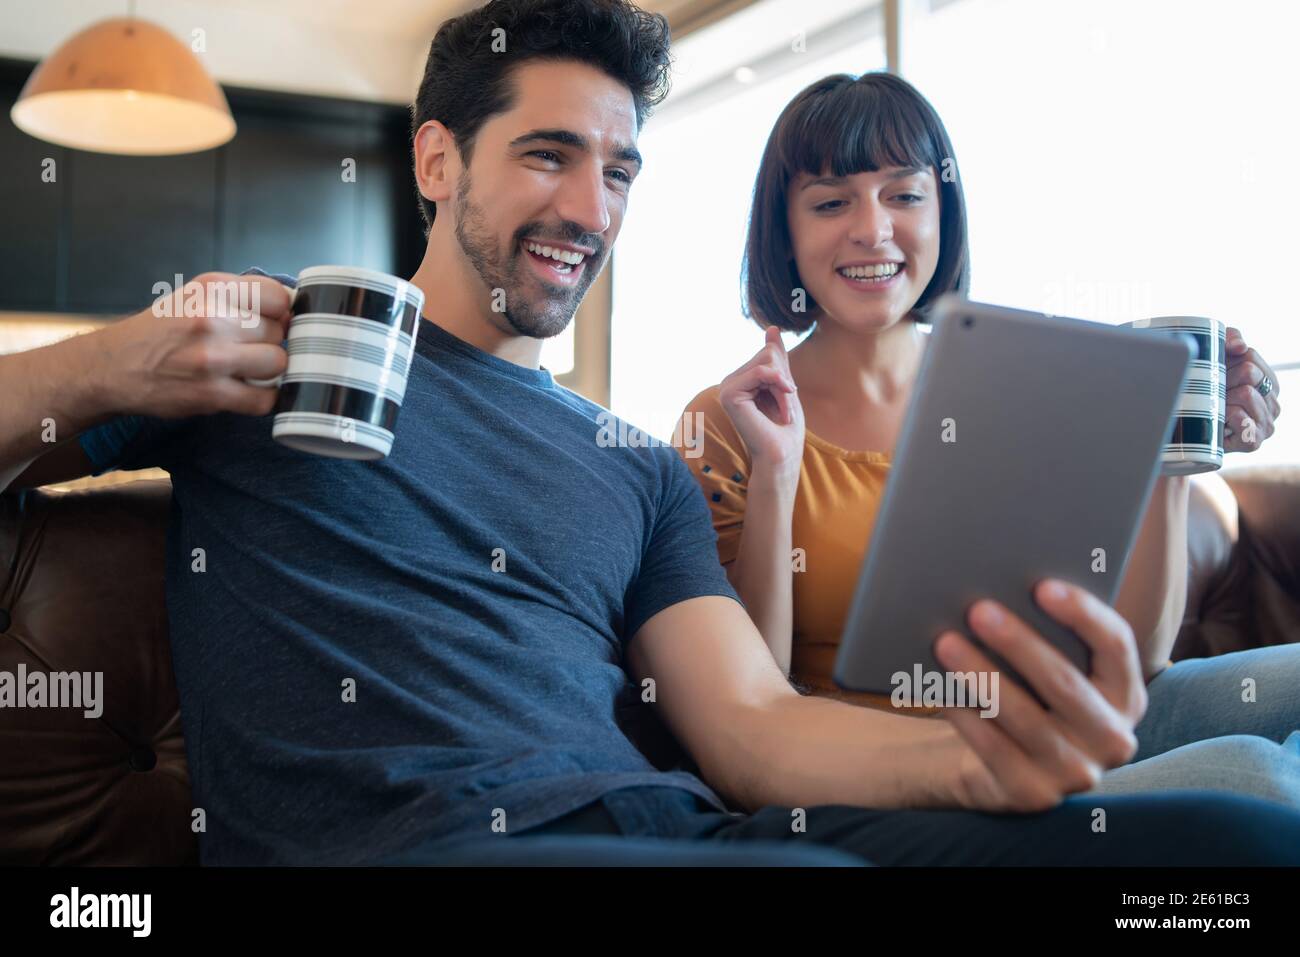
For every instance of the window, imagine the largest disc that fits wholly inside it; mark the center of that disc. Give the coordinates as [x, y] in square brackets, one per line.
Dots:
[676, 325]
[1125, 159]
[1120, 159]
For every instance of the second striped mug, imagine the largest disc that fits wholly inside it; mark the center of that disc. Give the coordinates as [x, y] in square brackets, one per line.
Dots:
[1195, 441]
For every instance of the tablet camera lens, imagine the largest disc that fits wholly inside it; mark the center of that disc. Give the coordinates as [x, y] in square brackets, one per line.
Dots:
[968, 322]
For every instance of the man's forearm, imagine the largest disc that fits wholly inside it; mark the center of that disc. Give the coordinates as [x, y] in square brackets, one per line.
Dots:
[49, 394]
[1153, 595]
[813, 750]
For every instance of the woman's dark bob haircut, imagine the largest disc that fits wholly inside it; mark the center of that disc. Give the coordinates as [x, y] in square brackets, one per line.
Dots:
[842, 125]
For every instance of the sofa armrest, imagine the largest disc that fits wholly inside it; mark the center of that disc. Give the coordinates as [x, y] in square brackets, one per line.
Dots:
[1243, 561]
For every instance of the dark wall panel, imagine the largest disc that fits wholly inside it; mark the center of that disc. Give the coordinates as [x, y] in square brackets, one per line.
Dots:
[134, 221]
[29, 238]
[286, 203]
[110, 227]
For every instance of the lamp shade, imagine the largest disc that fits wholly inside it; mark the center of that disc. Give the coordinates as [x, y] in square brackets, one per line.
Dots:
[124, 86]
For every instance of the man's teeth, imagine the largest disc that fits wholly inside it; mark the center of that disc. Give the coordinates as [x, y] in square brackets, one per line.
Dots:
[566, 258]
[877, 271]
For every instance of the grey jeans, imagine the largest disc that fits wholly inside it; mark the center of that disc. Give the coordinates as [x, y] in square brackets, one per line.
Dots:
[1227, 723]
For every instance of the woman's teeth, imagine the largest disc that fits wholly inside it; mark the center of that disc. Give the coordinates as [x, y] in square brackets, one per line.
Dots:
[565, 259]
[879, 272]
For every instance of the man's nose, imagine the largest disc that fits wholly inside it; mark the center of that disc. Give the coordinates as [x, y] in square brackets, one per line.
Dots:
[583, 200]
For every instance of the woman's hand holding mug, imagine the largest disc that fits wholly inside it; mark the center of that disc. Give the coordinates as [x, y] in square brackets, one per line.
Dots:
[1252, 397]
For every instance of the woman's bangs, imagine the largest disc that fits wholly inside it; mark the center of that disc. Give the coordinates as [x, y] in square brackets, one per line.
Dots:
[860, 129]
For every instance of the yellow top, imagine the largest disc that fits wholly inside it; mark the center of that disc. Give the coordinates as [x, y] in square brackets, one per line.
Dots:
[834, 513]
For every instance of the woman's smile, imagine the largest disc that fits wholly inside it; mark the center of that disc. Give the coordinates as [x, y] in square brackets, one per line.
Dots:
[873, 277]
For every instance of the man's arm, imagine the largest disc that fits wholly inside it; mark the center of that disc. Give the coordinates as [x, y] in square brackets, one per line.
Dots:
[49, 391]
[760, 743]
[162, 363]
[62, 463]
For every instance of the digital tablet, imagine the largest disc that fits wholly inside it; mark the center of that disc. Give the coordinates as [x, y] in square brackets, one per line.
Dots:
[1029, 451]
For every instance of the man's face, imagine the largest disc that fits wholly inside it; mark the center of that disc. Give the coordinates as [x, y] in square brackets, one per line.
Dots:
[538, 209]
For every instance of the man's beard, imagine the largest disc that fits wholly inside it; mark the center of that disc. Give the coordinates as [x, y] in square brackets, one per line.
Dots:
[553, 309]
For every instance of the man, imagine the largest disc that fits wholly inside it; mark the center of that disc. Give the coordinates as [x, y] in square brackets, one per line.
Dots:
[501, 592]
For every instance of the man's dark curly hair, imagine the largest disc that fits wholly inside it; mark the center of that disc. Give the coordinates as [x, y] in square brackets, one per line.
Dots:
[466, 81]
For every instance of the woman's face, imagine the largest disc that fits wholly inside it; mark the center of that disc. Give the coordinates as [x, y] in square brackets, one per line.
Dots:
[865, 245]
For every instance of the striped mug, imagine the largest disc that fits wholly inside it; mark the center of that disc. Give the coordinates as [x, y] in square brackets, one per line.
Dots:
[1196, 434]
[350, 343]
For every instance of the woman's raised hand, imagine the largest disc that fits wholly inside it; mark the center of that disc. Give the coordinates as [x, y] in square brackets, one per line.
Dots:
[763, 403]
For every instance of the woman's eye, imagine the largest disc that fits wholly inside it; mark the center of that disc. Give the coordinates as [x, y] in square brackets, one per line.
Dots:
[910, 198]
[828, 205]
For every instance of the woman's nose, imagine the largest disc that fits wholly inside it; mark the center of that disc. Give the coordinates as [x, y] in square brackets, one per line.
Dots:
[872, 226]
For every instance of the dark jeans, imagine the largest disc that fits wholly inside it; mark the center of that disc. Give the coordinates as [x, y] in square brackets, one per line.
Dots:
[665, 826]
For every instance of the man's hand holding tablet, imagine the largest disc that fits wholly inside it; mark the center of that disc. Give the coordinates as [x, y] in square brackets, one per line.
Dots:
[1029, 757]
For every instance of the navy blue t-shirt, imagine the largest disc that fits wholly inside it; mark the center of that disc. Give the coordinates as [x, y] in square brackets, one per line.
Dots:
[480, 694]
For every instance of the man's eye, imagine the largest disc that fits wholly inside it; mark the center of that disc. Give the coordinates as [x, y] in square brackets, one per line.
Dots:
[546, 155]
[910, 198]
[620, 175]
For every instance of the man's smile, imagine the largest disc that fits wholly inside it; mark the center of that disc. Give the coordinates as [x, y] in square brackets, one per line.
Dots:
[558, 265]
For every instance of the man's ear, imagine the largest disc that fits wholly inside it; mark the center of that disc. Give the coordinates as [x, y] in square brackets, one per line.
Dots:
[436, 161]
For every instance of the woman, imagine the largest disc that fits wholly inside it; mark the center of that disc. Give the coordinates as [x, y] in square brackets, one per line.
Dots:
[858, 224]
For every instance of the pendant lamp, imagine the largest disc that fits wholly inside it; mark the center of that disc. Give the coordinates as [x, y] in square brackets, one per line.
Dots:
[124, 86]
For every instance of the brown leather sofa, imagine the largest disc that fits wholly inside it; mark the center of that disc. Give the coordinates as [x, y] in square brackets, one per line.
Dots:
[81, 589]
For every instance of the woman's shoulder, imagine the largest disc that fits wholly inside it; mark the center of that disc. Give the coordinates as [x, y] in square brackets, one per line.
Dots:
[704, 416]
[707, 402]
[708, 414]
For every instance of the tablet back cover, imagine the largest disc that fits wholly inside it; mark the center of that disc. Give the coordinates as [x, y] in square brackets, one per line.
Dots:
[1030, 451]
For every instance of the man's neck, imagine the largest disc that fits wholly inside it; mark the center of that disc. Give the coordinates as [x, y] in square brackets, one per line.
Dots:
[455, 299]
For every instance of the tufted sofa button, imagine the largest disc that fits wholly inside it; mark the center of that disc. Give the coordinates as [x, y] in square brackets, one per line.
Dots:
[142, 759]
